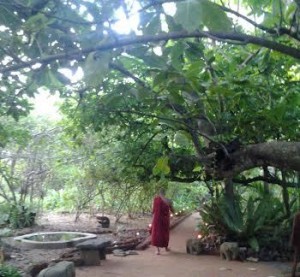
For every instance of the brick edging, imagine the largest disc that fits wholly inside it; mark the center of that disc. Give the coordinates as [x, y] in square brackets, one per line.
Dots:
[177, 221]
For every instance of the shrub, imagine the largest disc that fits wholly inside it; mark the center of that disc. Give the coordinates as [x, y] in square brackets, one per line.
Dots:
[255, 222]
[9, 271]
[21, 216]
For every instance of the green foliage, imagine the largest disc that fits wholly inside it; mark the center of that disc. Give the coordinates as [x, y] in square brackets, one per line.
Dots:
[186, 197]
[10, 132]
[21, 216]
[61, 200]
[161, 166]
[4, 214]
[133, 117]
[24, 166]
[6, 232]
[9, 271]
[194, 14]
[254, 222]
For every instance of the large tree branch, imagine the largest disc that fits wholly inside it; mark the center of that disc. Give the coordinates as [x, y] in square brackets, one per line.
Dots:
[127, 73]
[279, 154]
[268, 179]
[273, 31]
[229, 37]
[184, 180]
[139, 154]
[187, 125]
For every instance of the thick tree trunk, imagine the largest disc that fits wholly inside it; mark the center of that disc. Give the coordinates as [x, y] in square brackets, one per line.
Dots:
[278, 154]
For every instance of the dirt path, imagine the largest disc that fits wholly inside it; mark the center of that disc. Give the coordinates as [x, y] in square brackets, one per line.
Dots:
[178, 263]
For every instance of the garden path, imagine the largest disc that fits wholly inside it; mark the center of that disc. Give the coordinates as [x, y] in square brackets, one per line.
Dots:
[178, 263]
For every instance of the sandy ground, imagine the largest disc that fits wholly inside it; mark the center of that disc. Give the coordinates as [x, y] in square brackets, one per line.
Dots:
[178, 263]
[23, 257]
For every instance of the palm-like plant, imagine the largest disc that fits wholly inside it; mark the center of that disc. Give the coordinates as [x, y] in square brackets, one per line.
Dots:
[252, 222]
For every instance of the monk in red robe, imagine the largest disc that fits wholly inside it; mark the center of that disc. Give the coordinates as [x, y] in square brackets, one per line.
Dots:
[160, 227]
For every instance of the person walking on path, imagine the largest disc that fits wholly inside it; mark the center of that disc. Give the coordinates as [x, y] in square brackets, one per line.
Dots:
[160, 227]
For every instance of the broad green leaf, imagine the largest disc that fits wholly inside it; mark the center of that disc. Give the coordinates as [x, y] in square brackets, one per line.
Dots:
[214, 18]
[197, 169]
[193, 69]
[269, 20]
[172, 25]
[162, 166]
[154, 61]
[148, 56]
[291, 9]
[181, 139]
[96, 67]
[189, 14]
[193, 14]
[177, 56]
[154, 26]
[277, 7]
[47, 78]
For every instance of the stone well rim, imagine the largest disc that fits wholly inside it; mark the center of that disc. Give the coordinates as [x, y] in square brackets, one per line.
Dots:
[23, 240]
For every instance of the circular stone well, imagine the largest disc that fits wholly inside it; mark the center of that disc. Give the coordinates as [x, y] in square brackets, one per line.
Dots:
[53, 240]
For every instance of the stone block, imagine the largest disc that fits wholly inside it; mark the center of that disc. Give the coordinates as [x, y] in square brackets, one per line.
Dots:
[94, 244]
[90, 257]
[61, 269]
[94, 250]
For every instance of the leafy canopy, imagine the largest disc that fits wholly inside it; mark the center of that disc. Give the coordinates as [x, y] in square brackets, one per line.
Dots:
[187, 62]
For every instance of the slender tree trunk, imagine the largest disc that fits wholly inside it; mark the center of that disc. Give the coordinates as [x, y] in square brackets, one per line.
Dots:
[285, 195]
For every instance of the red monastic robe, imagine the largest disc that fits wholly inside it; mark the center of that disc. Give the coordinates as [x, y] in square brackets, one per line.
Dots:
[160, 222]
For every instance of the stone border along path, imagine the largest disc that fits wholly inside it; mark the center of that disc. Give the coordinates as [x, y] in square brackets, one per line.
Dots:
[178, 263]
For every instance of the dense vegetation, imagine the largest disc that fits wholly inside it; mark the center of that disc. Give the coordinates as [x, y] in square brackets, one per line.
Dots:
[197, 95]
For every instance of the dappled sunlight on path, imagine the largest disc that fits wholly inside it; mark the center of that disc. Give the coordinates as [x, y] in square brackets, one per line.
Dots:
[178, 263]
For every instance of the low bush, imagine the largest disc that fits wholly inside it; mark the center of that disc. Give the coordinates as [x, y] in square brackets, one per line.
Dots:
[9, 271]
